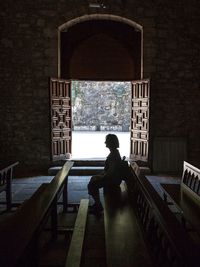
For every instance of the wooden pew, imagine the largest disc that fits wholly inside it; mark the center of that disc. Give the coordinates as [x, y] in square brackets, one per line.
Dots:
[6, 176]
[190, 183]
[18, 230]
[19, 233]
[166, 237]
[190, 196]
[186, 196]
[125, 244]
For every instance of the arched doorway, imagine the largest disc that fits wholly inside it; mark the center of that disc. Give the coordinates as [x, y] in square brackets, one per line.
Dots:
[99, 47]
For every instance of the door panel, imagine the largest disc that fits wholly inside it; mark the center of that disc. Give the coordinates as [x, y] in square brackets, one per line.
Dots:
[140, 120]
[61, 136]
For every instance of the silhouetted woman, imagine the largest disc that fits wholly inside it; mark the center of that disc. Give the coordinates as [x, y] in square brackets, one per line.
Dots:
[110, 177]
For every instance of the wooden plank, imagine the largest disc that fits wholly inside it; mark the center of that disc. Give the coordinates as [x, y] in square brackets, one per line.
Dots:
[58, 181]
[125, 245]
[76, 245]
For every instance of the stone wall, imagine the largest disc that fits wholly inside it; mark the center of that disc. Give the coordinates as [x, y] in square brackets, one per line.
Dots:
[29, 56]
[101, 106]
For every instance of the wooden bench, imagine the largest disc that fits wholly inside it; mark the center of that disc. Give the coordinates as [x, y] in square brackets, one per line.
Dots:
[125, 245]
[19, 233]
[166, 237]
[186, 196]
[6, 176]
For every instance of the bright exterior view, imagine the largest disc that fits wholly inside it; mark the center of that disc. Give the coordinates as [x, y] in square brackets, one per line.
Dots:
[99, 108]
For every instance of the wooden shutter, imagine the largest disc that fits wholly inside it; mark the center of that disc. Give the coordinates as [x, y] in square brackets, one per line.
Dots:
[61, 134]
[140, 120]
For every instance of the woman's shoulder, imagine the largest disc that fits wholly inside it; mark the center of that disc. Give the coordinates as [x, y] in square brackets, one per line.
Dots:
[114, 155]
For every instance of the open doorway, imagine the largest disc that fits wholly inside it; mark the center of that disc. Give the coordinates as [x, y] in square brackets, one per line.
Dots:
[99, 108]
[99, 47]
[61, 119]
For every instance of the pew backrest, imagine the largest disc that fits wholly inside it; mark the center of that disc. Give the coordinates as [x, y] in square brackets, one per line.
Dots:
[6, 173]
[190, 183]
[6, 176]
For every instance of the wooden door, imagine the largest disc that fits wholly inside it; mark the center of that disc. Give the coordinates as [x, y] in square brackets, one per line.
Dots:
[140, 120]
[61, 134]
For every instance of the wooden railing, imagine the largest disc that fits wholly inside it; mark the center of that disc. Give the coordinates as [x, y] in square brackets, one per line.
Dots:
[6, 176]
[167, 239]
[191, 181]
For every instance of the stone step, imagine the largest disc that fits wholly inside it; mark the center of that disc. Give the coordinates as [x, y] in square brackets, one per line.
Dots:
[78, 170]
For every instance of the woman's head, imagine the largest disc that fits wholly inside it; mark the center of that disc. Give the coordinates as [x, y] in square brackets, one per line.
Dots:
[112, 141]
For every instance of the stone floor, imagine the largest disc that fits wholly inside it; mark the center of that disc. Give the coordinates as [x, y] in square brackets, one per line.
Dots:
[23, 188]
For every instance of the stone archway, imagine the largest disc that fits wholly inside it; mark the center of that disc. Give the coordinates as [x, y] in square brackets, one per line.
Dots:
[128, 45]
[100, 47]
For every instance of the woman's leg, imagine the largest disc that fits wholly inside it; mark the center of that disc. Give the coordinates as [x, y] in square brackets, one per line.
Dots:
[96, 182]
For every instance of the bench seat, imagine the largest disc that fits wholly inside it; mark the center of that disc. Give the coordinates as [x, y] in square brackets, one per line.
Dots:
[125, 244]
